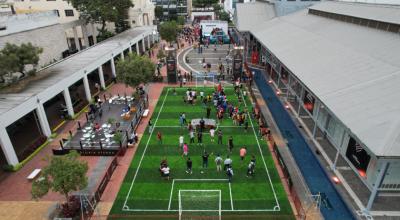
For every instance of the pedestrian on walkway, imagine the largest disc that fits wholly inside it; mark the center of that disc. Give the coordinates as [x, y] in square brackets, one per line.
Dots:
[150, 124]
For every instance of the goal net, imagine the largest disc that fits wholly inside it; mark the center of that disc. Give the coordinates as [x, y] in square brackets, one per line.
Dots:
[203, 79]
[199, 204]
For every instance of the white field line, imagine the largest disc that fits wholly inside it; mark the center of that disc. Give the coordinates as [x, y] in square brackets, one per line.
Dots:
[262, 156]
[223, 210]
[144, 152]
[230, 193]
[178, 126]
[170, 196]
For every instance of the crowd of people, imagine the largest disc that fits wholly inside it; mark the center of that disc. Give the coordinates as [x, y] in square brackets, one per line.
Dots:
[223, 108]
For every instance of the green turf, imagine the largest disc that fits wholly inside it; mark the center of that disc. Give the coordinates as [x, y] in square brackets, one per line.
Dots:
[149, 196]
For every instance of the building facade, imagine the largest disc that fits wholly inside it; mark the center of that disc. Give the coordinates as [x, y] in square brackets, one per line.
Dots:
[29, 117]
[324, 70]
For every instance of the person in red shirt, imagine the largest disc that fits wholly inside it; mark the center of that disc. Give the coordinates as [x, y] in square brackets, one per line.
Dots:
[159, 137]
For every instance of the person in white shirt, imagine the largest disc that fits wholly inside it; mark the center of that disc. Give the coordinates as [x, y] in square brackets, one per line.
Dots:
[201, 95]
[180, 141]
[165, 172]
[227, 162]
[212, 133]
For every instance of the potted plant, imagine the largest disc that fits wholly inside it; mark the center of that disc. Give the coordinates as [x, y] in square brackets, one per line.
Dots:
[111, 121]
[118, 137]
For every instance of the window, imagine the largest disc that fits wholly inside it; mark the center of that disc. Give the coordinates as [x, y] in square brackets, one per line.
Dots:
[57, 12]
[69, 13]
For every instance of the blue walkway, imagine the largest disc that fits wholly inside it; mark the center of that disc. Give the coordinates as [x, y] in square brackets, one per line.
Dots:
[332, 205]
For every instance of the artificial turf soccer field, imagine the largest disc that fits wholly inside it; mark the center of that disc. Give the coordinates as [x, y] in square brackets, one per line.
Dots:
[146, 195]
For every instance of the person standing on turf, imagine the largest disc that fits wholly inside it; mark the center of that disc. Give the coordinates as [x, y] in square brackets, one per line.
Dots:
[230, 144]
[205, 159]
[208, 111]
[219, 136]
[227, 163]
[150, 125]
[212, 134]
[202, 124]
[189, 165]
[159, 137]
[184, 118]
[218, 162]
[185, 150]
[180, 120]
[181, 141]
[191, 135]
[242, 153]
[250, 169]
[199, 138]
[246, 125]
[229, 173]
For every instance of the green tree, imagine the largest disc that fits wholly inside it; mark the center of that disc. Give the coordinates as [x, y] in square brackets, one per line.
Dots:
[224, 16]
[64, 174]
[168, 31]
[204, 3]
[158, 11]
[134, 70]
[102, 11]
[14, 58]
[180, 20]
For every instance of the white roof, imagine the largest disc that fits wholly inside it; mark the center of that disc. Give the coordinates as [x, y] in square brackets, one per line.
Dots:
[248, 15]
[354, 70]
[59, 73]
[384, 13]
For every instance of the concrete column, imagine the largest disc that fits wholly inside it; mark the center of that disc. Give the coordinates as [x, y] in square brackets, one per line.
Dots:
[85, 35]
[143, 44]
[7, 147]
[378, 182]
[87, 88]
[318, 105]
[94, 33]
[101, 76]
[122, 55]
[113, 67]
[68, 102]
[137, 48]
[148, 41]
[76, 39]
[335, 161]
[130, 49]
[300, 101]
[44, 123]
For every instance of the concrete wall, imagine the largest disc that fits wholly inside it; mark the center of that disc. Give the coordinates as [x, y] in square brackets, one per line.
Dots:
[286, 7]
[29, 6]
[51, 39]
[141, 12]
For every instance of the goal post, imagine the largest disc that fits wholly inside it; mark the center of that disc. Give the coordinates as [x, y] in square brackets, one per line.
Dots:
[199, 204]
[203, 80]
